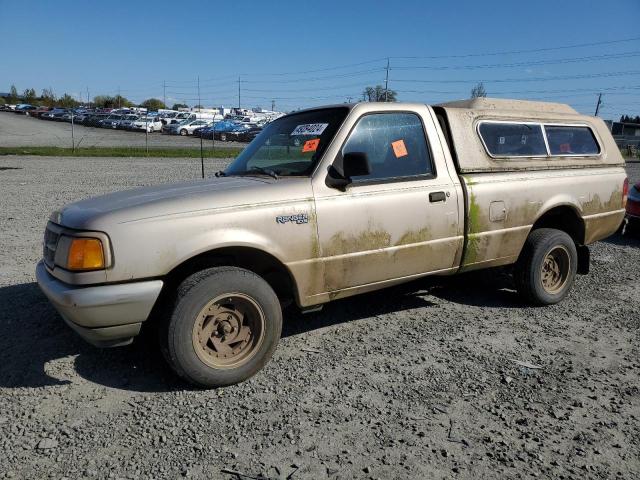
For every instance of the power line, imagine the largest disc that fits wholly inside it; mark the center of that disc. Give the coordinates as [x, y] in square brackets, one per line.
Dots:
[532, 79]
[512, 52]
[590, 58]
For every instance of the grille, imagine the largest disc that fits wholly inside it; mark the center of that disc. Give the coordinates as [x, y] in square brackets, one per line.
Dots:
[51, 237]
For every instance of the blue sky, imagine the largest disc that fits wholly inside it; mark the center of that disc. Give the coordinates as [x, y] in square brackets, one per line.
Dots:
[308, 53]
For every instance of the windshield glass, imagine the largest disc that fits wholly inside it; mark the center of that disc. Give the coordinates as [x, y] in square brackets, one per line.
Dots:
[291, 145]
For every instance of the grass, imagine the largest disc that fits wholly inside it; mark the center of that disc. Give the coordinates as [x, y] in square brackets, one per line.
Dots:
[122, 152]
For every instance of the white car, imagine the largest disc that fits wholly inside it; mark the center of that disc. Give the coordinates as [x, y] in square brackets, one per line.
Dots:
[150, 124]
[185, 127]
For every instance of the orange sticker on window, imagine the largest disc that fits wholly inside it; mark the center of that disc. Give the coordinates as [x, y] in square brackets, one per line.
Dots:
[399, 148]
[311, 145]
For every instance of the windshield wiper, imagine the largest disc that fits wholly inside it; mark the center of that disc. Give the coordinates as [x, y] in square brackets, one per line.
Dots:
[265, 171]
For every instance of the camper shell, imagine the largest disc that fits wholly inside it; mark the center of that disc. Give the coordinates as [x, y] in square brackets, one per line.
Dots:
[460, 118]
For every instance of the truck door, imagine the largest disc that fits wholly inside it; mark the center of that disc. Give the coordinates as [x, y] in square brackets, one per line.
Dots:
[399, 221]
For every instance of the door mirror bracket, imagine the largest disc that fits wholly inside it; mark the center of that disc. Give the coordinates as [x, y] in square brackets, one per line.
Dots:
[352, 164]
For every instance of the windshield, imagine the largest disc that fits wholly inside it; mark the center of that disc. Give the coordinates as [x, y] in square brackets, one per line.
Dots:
[291, 145]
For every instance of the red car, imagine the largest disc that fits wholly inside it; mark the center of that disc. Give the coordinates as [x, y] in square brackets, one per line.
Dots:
[38, 111]
[633, 207]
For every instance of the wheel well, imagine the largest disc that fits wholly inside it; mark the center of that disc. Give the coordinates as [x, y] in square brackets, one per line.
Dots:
[257, 261]
[563, 218]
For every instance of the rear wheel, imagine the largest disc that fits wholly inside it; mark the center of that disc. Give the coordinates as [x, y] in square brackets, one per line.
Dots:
[225, 325]
[547, 266]
[183, 132]
[223, 137]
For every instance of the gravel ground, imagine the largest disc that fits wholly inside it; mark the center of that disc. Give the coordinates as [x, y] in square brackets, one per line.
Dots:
[20, 130]
[417, 382]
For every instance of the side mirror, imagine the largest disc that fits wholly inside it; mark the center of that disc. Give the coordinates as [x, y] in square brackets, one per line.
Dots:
[352, 164]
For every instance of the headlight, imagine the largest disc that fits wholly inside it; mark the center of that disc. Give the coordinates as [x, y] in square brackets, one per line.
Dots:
[80, 253]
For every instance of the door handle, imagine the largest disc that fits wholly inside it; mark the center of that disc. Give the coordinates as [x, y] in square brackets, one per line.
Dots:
[437, 197]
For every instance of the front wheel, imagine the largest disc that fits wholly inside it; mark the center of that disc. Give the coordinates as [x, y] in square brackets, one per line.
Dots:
[547, 266]
[224, 327]
[223, 137]
[183, 132]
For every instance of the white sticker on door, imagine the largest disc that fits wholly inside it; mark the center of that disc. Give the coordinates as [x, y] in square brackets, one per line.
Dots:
[310, 129]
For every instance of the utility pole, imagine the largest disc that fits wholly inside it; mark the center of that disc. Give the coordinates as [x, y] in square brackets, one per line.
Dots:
[238, 92]
[598, 104]
[73, 140]
[273, 105]
[199, 105]
[386, 83]
[88, 101]
[164, 93]
[119, 97]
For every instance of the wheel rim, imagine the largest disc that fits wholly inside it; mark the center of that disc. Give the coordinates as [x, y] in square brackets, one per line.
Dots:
[555, 269]
[228, 331]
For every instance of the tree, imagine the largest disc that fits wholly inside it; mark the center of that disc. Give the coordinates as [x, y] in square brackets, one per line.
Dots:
[378, 94]
[13, 94]
[107, 101]
[630, 119]
[67, 101]
[48, 98]
[478, 91]
[153, 104]
[177, 106]
[29, 95]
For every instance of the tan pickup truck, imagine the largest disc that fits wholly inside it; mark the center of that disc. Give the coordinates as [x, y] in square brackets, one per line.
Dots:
[331, 202]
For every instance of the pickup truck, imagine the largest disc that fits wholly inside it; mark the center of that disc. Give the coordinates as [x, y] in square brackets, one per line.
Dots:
[332, 202]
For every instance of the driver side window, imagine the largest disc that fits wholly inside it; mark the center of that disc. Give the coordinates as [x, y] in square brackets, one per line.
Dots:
[395, 145]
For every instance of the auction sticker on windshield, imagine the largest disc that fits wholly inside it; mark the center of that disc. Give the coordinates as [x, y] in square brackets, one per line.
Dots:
[310, 129]
[311, 145]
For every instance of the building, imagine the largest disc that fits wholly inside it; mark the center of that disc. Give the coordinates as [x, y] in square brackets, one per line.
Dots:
[625, 133]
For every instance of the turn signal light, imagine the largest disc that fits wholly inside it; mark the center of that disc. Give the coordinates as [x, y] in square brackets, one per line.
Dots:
[85, 254]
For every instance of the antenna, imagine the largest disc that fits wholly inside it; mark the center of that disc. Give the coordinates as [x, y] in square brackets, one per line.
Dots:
[201, 151]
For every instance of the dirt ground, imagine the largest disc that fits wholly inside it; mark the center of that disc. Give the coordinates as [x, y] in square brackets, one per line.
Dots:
[421, 381]
[20, 131]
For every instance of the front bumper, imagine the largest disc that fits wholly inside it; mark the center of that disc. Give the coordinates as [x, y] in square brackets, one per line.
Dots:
[105, 315]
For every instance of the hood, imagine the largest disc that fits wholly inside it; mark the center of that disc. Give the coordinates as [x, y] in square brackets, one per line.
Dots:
[98, 213]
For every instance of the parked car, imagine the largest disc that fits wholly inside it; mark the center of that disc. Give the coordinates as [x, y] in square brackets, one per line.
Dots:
[61, 115]
[53, 114]
[244, 133]
[150, 124]
[375, 194]
[184, 128]
[36, 113]
[24, 109]
[633, 209]
[127, 121]
[111, 121]
[218, 127]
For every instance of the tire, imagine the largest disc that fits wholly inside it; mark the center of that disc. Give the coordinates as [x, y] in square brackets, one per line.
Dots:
[223, 137]
[184, 133]
[205, 338]
[547, 267]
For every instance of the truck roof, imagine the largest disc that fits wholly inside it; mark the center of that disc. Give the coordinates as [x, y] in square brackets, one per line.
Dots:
[509, 105]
